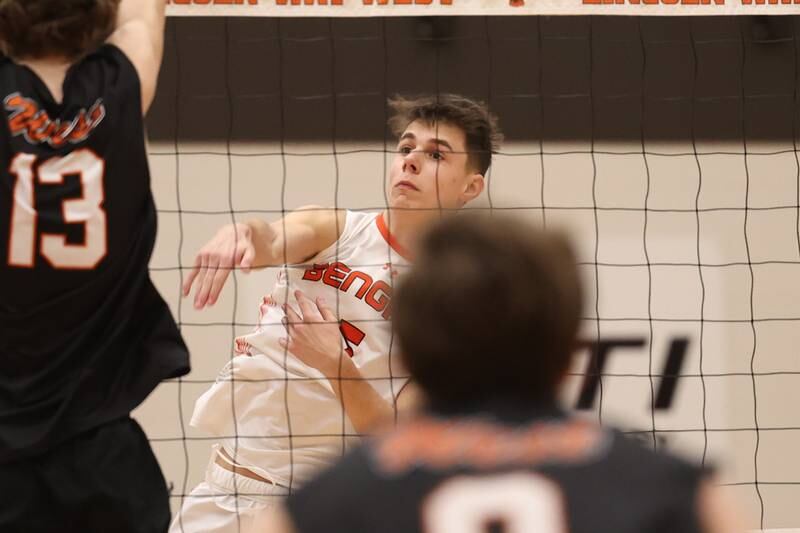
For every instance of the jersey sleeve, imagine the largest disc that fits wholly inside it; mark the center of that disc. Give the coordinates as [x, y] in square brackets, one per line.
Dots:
[662, 487]
[682, 512]
[111, 74]
[335, 499]
[355, 223]
[106, 79]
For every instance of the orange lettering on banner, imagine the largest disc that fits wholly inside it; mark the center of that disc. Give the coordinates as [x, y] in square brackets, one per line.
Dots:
[216, 2]
[683, 2]
[308, 2]
[406, 2]
[704, 2]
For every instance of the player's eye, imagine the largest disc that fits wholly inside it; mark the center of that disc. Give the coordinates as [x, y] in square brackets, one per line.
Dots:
[404, 150]
[436, 155]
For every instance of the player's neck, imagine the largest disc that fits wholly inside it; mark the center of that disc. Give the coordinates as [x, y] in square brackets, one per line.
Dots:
[406, 226]
[52, 71]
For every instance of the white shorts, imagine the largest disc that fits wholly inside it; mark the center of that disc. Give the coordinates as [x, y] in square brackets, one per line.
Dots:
[217, 506]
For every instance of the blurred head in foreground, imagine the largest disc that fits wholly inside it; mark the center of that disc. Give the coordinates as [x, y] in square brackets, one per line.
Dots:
[490, 311]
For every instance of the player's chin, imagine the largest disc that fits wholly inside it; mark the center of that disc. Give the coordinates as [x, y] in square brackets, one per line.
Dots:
[416, 203]
[403, 199]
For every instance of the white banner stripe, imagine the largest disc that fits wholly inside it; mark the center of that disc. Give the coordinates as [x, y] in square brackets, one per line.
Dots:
[400, 8]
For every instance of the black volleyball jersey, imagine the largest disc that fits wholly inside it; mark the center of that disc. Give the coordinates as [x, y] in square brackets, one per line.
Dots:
[84, 335]
[480, 475]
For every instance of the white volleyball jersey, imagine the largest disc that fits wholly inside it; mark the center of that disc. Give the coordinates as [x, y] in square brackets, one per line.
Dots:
[277, 415]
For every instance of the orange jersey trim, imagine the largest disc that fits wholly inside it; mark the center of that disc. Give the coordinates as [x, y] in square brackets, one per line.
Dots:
[383, 228]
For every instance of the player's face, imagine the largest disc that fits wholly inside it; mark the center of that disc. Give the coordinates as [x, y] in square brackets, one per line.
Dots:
[430, 169]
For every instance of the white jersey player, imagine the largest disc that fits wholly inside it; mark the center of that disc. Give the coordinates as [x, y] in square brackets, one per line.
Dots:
[321, 367]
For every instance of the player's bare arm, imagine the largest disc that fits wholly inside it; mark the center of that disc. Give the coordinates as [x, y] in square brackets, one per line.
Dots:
[314, 338]
[294, 239]
[717, 514]
[140, 34]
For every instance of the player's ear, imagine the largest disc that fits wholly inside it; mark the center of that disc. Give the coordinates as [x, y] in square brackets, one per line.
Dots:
[562, 379]
[474, 187]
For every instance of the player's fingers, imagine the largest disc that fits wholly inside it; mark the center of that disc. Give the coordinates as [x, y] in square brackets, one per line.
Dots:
[218, 281]
[307, 307]
[325, 310]
[201, 276]
[187, 284]
[292, 317]
[208, 279]
[288, 344]
[285, 343]
[247, 258]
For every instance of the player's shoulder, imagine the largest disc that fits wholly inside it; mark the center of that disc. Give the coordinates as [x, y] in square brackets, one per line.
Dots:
[641, 465]
[325, 222]
[355, 469]
[341, 224]
[330, 214]
[104, 75]
[111, 62]
[333, 493]
[316, 212]
[358, 221]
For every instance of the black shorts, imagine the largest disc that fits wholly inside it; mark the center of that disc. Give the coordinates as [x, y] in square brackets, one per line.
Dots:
[104, 480]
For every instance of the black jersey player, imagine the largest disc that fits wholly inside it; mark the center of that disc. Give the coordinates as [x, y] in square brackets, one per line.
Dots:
[84, 335]
[487, 321]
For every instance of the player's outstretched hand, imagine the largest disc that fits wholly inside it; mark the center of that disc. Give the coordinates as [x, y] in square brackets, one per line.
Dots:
[232, 247]
[314, 336]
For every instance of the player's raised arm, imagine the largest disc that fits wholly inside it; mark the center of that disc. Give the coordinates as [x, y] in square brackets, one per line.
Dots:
[297, 237]
[140, 34]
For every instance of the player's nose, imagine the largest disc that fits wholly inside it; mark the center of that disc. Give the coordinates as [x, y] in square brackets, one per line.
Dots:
[411, 163]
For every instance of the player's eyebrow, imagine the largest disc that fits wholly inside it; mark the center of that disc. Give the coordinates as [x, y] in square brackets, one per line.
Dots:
[408, 135]
[440, 142]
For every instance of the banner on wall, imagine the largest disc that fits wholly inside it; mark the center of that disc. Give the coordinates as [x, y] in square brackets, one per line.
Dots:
[378, 8]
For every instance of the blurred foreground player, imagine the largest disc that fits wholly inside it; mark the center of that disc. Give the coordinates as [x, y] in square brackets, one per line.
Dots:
[84, 335]
[492, 452]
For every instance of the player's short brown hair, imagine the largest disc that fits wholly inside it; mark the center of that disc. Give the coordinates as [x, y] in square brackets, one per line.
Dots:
[490, 310]
[472, 117]
[36, 29]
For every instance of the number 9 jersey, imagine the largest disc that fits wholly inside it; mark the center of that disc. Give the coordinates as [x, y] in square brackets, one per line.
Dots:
[507, 468]
[84, 335]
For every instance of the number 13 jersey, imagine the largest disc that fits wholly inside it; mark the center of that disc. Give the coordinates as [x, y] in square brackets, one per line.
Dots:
[84, 335]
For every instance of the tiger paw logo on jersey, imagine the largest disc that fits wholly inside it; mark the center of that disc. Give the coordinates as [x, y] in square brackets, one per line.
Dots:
[25, 118]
